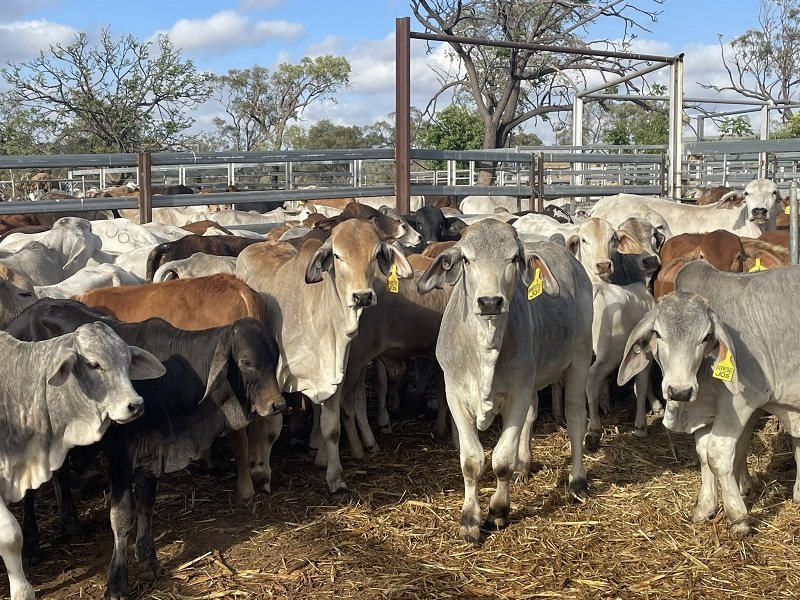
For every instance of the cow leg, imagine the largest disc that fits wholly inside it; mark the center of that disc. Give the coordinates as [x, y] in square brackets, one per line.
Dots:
[68, 521]
[121, 522]
[575, 412]
[641, 384]
[348, 403]
[505, 455]
[362, 420]
[743, 479]
[145, 492]
[557, 395]
[728, 427]
[381, 392]
[30, 530]
[314, 438]
[796, 490]
[329, 434]
[262, 433]
[241, 453]
[705, 506]
[598, 378]
[440, 429]
[11, 551]
[472, 464]
[523, 468]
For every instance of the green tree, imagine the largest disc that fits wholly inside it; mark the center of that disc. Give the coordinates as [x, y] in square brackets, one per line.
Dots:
[764, 63]
[453, 128]
[510, 87]
[121, 95]
[790, 129]
[643, 123]
[326, 135]
[261, 105]
[735, 127]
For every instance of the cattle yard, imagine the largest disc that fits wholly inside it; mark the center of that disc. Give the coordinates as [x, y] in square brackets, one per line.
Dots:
[398, 536]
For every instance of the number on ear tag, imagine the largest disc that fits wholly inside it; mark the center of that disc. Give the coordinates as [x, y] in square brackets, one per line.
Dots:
[724, 369]
[392, 282]
[535, 288]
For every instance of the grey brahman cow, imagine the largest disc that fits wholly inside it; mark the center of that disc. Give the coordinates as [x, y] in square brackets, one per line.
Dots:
[519, 318]
[724, 359]
[56, 395]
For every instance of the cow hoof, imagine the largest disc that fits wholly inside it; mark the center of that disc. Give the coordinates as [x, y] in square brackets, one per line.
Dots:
[741, 529]
[147, 573]
[579, 488]
[31, 560]
[340, 496]
[640, 432]
[496, 520]
[373, 450]
[593, 441]
[471, 534]
[245, 501]
[700, 514]
[386, 429]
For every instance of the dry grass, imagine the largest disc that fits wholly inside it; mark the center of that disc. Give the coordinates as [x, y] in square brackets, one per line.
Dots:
[398, 538]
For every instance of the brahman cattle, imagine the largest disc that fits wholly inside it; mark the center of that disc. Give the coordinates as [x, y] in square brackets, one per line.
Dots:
[215, 379]
[198, 264]
[56, 395]
[724, 358]
[219, 245]
[318, 292]
[88, 278]
[518, 319]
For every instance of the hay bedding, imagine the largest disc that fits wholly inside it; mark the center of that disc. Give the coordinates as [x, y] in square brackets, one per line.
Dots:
[398, 538]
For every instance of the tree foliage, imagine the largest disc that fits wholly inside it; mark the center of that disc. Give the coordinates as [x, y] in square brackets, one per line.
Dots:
[735, 127]
[120, 95]
[788, 130]
[454, 128]
[509, 87]
[260, 105]
[764, 63]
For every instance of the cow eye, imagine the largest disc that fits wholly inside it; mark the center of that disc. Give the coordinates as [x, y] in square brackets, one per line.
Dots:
[707, 338]
[92, 364]
[466, 260]
[658, 335]
[336, 256]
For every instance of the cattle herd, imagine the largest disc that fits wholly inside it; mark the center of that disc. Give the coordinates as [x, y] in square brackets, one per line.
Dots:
[147, 343]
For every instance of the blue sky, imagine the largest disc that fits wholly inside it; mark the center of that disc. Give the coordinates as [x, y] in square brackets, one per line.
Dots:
[223, 34]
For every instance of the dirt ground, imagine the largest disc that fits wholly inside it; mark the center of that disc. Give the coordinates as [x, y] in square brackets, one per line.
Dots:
[398, 537]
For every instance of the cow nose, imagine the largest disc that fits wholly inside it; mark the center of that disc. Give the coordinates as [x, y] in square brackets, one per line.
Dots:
[362, 298]
[651, 262]
[758, 213]
[679, 394]
[490, 305]
[604, 267]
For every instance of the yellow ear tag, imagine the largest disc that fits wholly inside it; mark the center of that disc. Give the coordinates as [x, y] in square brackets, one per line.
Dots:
[392, 282]
[758, 266]
[724, 369]
[535, 288]
[787, 209]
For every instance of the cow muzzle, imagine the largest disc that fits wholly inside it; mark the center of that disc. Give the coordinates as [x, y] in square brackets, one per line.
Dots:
[680, 394]
[650, 263]
[491, 305]
[759, 216]
[363, 299]
[127, 412]
[270, 406]
[604, 269]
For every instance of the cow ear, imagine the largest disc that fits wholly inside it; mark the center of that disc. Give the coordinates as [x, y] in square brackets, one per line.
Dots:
[640, 347]
[388, 254]
[732, 199]
[328, 224]
[218, 371]
[64, 365]
[530, 263]
[723, 346]
[144, 365]
[659, 238]
[455, 227]
[321, 261]
[574, 244]
[670, 271]
[628, 244]
[445, 268]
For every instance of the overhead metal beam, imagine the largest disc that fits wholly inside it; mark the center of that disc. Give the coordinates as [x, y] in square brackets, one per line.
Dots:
[624, 78]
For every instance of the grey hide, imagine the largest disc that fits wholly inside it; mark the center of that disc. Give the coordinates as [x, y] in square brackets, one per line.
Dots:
[198, 264]
[689, 334]
[55, 395]
[497, 348]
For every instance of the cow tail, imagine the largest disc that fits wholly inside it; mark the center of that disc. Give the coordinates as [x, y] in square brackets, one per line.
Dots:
[154, 259]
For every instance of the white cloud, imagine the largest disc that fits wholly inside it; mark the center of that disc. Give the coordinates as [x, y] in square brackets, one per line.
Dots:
[227, 30]
[24, 40]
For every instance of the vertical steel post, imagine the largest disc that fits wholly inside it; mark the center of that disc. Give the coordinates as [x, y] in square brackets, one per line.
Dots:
[144, 165]
[402, 136]
[675, 127]
[793, 223]
[763, 166]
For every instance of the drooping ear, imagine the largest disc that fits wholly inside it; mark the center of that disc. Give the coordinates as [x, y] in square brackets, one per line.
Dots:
[389, 254]
[627, 243]
[144, 365]
[218, 370]
[328, 224]
[62, 367]
[574, 244]
[670, 271]
[641, 345]
[321, 261]
[455, 227]
[660, 238]
[723, 346]
[529, 262]
[445, 268]
[732, 199]
[558, 238]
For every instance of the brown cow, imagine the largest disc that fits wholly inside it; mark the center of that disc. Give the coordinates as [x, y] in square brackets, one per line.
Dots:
[200, 227]
[711, 195]
[770, 256]
[721, 248]
[777, 237]
[434, 249]
[193, 304]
